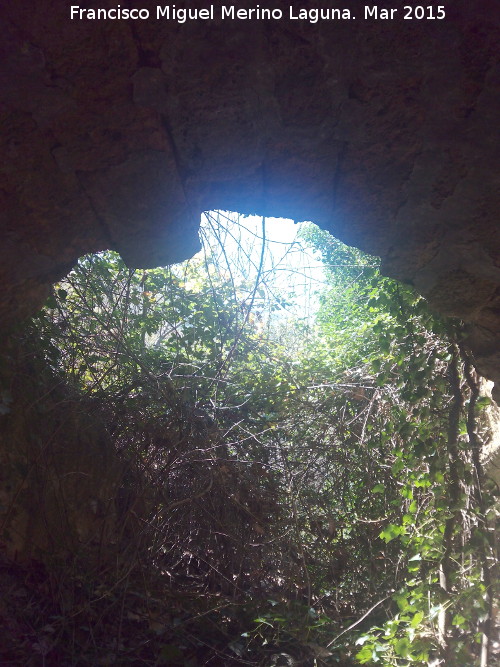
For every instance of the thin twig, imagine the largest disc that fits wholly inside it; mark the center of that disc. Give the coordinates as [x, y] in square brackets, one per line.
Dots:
[353, 625]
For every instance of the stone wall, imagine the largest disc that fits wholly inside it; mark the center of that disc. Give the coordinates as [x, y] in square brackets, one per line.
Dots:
[59, 471]
[118, 133]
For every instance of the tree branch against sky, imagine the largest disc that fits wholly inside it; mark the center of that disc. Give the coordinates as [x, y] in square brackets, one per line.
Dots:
[286, 411]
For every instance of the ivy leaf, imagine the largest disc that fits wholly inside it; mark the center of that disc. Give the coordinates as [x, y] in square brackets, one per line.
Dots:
[402, 647]
[365, 655]
[459, 621]
[417, 619]
[391, 532]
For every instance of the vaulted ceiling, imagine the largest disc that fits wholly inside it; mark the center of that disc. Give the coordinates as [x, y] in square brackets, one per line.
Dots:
[118, 133]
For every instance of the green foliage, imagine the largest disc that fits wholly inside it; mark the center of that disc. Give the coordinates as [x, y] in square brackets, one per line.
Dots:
[333, 461]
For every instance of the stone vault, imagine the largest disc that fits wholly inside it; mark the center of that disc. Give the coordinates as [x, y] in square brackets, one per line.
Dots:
[118, 133]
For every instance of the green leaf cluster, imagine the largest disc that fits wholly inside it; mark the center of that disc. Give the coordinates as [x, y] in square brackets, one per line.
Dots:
[337, 454]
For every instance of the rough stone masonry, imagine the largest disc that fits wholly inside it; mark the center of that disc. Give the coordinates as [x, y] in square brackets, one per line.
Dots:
[377, 122]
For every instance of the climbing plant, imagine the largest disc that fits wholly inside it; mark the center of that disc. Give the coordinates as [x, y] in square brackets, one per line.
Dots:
[323, 476]
[428, 433]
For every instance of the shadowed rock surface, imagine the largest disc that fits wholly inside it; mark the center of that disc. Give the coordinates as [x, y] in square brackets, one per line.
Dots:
[117, 134]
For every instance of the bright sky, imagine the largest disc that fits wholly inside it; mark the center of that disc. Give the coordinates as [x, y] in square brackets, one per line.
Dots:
[289, 268]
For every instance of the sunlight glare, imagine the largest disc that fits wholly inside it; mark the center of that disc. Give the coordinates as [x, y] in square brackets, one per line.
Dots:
[290, 270]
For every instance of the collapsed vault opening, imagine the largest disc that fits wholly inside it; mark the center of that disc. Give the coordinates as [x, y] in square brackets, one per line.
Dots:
[300, 472]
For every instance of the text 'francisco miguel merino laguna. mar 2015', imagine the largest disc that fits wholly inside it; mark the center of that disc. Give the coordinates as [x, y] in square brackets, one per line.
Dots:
[234, 13]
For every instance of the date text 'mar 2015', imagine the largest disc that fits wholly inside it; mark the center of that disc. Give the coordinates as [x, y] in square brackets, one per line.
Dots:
[418, 12]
